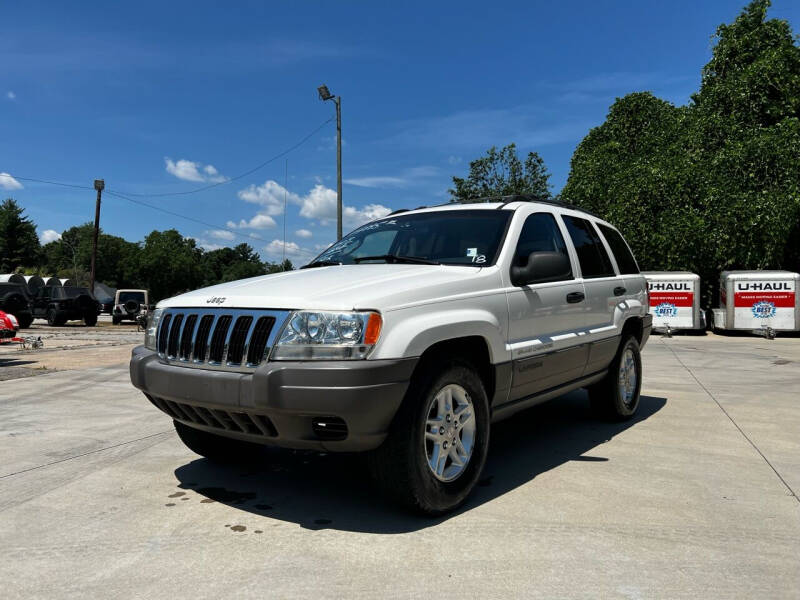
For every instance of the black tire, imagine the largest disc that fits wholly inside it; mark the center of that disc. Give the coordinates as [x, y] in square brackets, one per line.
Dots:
[14, 303]
[25, 320]
[606, 397]
[52, 317]
[400, 465]
[115, 320]
[90, 319]
[216, 448]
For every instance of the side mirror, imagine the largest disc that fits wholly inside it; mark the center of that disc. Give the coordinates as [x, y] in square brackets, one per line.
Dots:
[542, 267]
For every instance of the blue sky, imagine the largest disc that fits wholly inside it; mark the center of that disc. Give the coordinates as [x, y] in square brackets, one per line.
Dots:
[162, 97]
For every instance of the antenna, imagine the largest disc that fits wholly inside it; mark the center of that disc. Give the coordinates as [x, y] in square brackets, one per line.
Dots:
[285, 184]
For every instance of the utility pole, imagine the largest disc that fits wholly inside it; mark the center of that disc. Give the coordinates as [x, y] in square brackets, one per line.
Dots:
[325, 94]
[338, 167]
[99, 185]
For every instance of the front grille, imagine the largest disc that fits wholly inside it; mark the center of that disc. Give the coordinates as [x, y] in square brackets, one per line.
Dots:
[218, 338]
[239, 422]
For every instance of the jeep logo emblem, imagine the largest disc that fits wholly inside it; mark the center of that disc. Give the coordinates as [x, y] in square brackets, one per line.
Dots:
[215, 300]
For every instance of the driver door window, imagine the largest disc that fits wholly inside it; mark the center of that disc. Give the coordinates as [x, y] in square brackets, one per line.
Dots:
[540, 233]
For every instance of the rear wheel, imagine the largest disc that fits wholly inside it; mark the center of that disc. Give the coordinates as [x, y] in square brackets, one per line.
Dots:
[215, 447]
[52, 317]
[90, 319]
[25, 320]
[437, 445]
[115, 320]
[616, 397]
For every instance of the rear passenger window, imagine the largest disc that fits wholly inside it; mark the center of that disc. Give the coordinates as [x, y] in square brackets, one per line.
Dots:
[591, 253]
[540, 233]
[625, 261]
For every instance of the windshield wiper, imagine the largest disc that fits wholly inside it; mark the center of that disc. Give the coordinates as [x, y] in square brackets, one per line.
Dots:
[321, 263]
[395, 258]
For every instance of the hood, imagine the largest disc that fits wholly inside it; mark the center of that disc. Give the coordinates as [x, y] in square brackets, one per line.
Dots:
[343, 287]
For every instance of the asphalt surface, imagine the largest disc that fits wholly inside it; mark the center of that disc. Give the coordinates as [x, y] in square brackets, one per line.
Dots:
[696, 497]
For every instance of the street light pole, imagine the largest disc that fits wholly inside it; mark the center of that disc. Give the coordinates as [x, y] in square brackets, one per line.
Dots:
[99, 185]
[325, 94]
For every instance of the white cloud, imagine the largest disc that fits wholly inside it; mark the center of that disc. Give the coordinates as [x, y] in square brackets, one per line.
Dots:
[189, 170]
[11, 95]
[259, 221]
[208, 247]
[376, 182]
[7, 182]
[320, 204]
[453, 160]
[221, 234]
[408, 177]
[270, 195]
[275, 251]
[49, 235]
[303, 233]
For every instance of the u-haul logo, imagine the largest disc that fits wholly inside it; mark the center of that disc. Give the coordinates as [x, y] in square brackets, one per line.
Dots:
[669, 286]
[764, 286]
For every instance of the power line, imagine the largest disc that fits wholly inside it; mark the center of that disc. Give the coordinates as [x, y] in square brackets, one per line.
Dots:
[247, 236]
[196, 190]
[242, 175]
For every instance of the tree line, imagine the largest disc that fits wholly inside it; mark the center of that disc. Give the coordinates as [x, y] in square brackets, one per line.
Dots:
[165, 262]
[705, 187]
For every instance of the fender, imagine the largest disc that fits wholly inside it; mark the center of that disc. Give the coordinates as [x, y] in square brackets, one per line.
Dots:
[409, 335]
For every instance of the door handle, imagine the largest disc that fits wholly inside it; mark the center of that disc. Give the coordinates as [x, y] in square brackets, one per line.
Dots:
[575, 297]
[619, 291]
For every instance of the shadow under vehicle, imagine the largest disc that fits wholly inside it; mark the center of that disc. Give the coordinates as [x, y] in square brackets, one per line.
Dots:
[332, 491]
[61, 304]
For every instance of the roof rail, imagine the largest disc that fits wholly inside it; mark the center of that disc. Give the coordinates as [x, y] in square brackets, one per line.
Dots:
[508, 199]
[399, 210]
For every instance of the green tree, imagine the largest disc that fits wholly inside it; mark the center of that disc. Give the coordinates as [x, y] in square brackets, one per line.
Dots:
[712, 185]
[280, 267]
[117, 258]
[230, 264]
[502, 173]
[19, 245]
[169, 264]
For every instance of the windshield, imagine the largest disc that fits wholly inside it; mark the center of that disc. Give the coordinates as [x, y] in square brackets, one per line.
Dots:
[453, 237]
[135, 296]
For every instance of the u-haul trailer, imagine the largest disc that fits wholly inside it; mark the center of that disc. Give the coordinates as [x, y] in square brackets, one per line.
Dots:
[761, 301]
[675, 300]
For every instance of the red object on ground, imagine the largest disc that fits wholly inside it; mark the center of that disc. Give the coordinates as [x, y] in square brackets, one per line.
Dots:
[8, 328]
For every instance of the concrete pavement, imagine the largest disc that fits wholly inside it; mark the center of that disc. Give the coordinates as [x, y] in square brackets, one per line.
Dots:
[694, 498]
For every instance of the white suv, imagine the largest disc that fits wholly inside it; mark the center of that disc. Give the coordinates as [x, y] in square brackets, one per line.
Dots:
[406, 339]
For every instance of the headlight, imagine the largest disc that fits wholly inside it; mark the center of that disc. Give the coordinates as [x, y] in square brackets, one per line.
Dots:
[313, 335]
[150, 331]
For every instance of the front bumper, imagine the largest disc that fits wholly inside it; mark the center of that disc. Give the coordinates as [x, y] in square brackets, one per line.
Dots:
[278, 403]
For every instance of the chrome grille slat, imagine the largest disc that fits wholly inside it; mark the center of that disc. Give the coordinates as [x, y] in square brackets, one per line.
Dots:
[201, 337]
[187, 335]
[175, 330]
[237, 340]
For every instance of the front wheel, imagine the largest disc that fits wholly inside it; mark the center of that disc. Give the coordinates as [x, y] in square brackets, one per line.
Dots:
[438, 441]
[616, 396]
[25, 320]
[52, 317]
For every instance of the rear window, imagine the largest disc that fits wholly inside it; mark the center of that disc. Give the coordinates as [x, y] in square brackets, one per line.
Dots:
[625, 261]
[591, 253]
